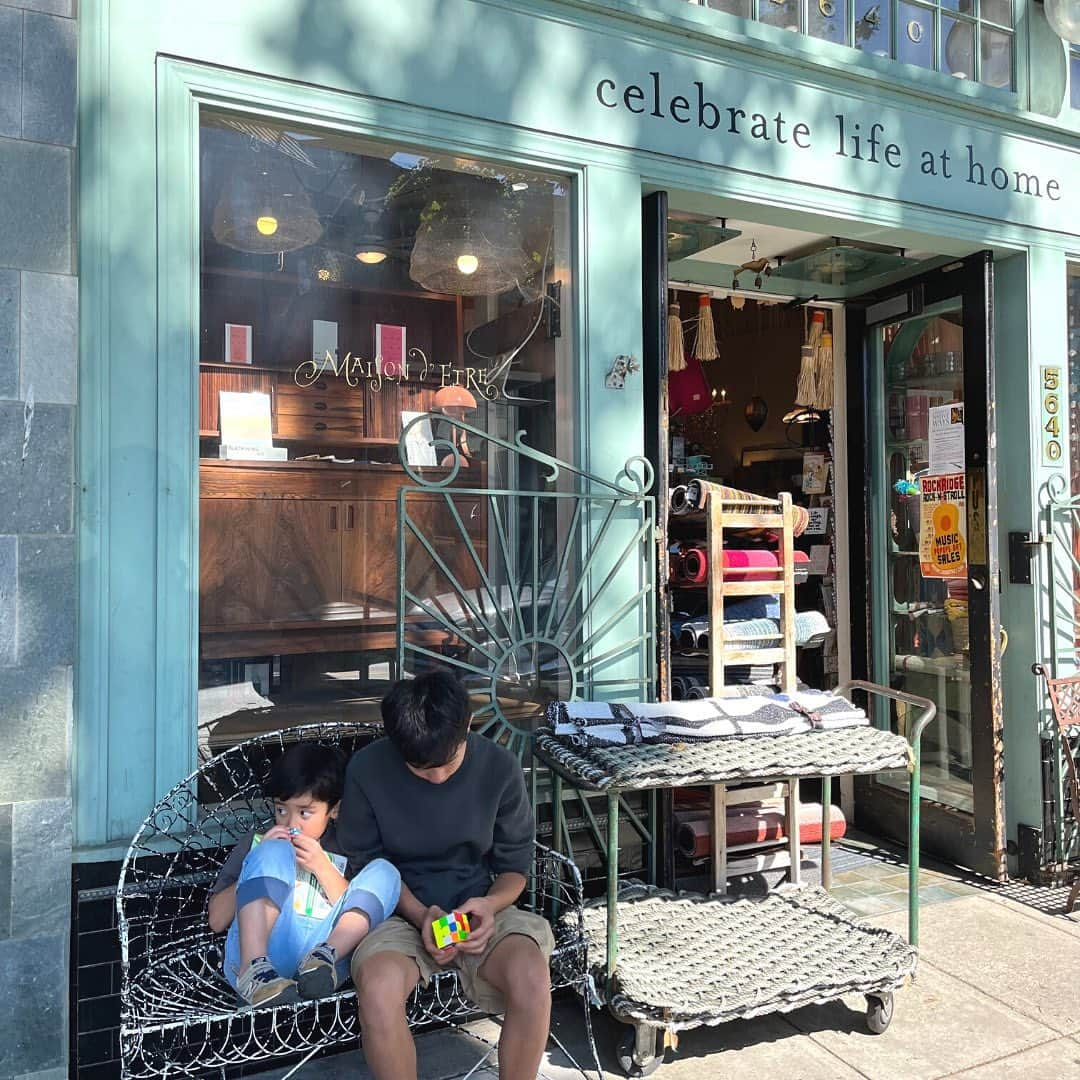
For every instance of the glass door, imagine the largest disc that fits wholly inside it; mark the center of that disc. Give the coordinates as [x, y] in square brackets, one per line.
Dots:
[931, 590]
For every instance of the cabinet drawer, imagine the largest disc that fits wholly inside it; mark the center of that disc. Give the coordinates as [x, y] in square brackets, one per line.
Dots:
[297, 401]
[320, 427]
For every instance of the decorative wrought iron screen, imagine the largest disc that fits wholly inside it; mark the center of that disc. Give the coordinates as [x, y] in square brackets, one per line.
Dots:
[1062, 511]
[528, 594]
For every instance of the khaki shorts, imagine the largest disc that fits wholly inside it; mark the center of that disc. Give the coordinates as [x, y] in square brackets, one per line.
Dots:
[400, 936]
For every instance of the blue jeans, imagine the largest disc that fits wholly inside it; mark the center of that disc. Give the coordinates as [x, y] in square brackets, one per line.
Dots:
[269, 871]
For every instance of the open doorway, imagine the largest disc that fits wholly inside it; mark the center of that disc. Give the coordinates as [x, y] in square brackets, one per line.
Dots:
[792, 360]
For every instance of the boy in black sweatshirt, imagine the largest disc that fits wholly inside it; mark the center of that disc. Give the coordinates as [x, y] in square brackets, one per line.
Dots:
[449, 809]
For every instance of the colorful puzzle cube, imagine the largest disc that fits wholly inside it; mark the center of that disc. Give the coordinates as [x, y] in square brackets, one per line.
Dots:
[450, 929]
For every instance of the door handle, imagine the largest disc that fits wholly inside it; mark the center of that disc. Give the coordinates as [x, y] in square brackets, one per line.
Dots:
[333, 519]
[350, 517]
[320, 406]
[320, 426]
[1004, 639]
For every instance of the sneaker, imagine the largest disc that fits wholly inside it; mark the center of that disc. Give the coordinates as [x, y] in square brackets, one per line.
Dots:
[317, 975]
[261, 985]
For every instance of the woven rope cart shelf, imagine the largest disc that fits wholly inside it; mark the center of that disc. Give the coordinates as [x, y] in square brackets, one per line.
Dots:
[733, 959]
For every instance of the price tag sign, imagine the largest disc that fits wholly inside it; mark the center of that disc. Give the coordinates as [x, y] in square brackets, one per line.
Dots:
[1050, 415]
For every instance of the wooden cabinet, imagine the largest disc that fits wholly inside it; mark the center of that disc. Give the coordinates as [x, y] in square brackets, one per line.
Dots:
[326, 414]
[303, 557]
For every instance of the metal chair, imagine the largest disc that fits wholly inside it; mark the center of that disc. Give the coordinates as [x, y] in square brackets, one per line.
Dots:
[1065, 700]
[178, 1014]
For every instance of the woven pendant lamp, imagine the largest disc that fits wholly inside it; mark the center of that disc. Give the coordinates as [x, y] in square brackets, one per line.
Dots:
[263, 210]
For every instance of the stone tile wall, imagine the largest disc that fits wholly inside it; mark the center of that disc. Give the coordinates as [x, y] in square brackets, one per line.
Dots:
[38, 380]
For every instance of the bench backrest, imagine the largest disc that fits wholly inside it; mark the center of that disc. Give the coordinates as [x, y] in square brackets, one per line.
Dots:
[175, 856]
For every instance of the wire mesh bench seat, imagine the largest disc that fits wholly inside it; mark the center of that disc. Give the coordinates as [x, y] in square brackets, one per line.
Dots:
[733, 959]
[179, 1016]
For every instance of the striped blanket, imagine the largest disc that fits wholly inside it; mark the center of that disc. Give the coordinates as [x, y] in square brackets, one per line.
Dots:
[595, 723]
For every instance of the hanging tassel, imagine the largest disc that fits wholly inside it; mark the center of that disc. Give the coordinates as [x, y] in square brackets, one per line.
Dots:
[705, 341]
[676, 352]
[804, 392]
[823, 379]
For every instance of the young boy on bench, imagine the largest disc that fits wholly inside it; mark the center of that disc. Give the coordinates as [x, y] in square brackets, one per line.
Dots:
[293, 917]
[449, 809]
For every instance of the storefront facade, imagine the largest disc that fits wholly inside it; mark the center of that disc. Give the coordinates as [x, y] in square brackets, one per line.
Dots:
[604, 103]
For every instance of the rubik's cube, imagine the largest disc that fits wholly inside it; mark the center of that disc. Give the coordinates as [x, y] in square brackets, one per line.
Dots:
[450, 929]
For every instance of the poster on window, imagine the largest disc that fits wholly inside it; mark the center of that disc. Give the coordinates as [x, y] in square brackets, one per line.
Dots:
[943, 549]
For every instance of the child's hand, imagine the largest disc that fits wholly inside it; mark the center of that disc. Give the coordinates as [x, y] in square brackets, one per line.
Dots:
[442, 957]
[481, 911]
[309, 853]
[278, 832]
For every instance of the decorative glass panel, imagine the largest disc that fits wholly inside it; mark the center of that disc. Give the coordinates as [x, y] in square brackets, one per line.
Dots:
[873, 26]
[827, 19]
[939, 35]
[780, 13]
[915, 36]
[997, 11]
[742, 8]
[996, 58]
[959, 48]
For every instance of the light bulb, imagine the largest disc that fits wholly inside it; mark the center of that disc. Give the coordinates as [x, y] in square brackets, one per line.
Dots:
[468, 264]
[1064, 19]
[371, 258]
[266, 224]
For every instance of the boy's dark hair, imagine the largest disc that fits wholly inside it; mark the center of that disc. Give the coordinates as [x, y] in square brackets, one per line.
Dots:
[427, 718]
[308, 768]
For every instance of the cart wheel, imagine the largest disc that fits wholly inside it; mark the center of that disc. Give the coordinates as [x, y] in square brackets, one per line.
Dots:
[879, 1010]
[627, 1061]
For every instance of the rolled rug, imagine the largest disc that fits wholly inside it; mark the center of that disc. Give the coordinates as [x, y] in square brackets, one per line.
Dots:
[678, 501]
[697, 495]
[678, 688]
[695, 565]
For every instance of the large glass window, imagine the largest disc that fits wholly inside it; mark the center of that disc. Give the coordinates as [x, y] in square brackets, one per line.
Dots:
[350, 287]
[968, 39]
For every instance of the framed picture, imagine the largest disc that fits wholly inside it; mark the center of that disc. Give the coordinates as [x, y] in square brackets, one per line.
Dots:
[237, 343]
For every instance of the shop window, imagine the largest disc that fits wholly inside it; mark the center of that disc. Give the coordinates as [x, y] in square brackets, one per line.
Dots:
[968, 39]
[350, 288]
[1074, 77]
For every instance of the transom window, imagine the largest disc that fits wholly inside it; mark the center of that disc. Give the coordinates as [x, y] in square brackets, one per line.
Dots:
[968, 39]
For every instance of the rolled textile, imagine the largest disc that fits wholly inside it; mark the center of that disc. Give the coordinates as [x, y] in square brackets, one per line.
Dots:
[749, 564]
[678, 688]
[697, 693]
[753, 824]
[695, 565]
[678, 502]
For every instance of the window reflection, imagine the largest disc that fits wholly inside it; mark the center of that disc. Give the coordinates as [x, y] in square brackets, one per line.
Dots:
[349, 287]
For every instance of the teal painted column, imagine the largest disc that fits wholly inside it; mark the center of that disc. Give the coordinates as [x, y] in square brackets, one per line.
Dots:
[612, 420]
[1029, 329]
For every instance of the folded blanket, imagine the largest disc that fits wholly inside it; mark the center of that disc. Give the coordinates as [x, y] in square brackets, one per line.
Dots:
[810, 626]
[594, 723]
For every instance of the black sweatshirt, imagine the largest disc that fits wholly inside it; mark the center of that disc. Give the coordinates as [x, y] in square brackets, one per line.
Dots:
[447, 840]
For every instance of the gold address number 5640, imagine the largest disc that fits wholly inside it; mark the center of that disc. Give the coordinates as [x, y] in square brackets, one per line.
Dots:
[1051, 415]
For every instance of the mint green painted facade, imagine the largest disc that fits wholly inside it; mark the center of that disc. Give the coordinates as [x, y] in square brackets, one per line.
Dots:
[548, 83]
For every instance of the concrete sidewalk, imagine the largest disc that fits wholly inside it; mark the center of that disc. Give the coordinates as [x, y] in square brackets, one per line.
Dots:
[997, 995]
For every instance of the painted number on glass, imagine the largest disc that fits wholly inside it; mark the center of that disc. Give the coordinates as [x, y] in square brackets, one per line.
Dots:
[915, 31]
[1051, 415]
[827, 8]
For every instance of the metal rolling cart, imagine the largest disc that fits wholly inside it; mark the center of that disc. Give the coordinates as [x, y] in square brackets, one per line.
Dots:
[686, 960]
